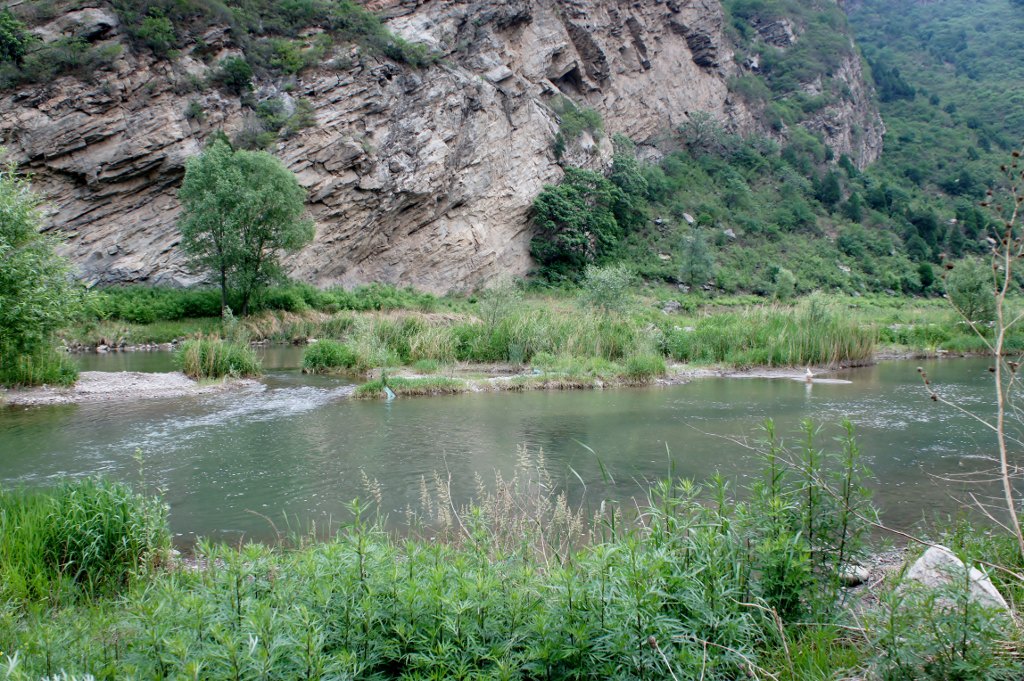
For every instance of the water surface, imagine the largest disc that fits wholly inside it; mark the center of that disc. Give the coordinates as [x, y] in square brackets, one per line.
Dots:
[297, 446]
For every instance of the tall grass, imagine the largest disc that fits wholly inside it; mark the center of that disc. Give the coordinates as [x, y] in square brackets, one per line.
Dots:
[45, 366]
[213, 358]
[327, 355]
[774, 336]
[89, 534]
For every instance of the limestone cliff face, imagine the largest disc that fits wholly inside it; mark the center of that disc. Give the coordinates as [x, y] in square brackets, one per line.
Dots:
[415, 177]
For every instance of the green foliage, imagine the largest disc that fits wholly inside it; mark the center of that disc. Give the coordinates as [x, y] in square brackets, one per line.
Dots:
[411, 387]
[157, 32]
[205, 358]
[971, 289]
[575, 222]
[573, 122]
[61, 57]
[235, 75]
[942, 634]
[697, 265]
[811, 334]
[42, 366]
[241, 209]
[327, 355]
[14, 39]
[88, 536]
[513, 586]
[37, 295]
[606, 288]
[645, 367]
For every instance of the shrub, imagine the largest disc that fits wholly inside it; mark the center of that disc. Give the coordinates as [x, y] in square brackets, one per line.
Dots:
[971, 289]
[209, 358]
[235, 75]
[328, 355]
[606, 288]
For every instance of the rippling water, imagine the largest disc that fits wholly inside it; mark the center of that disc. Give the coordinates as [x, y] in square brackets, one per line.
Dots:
[298, 446]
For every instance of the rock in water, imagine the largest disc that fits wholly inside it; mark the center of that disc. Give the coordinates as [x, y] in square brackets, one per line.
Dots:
[938, 568]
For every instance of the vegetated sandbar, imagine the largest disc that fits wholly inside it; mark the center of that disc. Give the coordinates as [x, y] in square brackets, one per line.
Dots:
[108, 386]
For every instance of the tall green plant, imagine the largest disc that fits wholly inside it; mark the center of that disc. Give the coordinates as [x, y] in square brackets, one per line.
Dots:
[242, 209]
[37, 294]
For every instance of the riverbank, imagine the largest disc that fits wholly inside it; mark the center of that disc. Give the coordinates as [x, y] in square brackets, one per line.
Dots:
[520, 585]
[103, 386]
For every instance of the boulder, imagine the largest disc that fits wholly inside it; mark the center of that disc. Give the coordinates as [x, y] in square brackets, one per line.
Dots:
[938, 568]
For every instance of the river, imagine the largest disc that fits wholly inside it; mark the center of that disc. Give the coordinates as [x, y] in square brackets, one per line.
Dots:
[296, 447]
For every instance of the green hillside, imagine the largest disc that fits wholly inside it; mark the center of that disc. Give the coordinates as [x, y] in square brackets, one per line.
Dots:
[776, 216]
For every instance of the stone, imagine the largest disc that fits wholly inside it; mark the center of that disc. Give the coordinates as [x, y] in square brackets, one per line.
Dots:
[499, 74]
[854, 575]
[938, 567]
[689, 218]
[730, 234]
[671, 307]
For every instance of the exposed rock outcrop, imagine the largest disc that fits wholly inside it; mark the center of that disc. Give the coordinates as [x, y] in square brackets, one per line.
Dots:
[415, 176]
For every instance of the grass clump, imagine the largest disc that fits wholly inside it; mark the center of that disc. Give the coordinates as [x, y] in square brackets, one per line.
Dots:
[411, 387]
[213, 358]
[645, 367]
[327, 355]
[44, 366]
[91, 534]
[773, 336]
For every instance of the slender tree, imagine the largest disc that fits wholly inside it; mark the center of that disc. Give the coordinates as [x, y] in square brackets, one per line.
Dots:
[37, 292]
[242, 209]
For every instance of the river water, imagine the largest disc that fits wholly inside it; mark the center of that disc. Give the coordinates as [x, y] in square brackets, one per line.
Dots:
[296, 447]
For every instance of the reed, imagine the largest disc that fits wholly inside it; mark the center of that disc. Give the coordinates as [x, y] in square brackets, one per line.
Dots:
[205, 358]
[84, 536]
[44, 366]
[326, 356]
[412, 387]
[774, 336]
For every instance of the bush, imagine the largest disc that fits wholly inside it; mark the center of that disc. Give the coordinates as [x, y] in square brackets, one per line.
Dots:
[209, 358]
[971, 289]
[92, 534]
[328, 355]
[606, 288]
[235, 75]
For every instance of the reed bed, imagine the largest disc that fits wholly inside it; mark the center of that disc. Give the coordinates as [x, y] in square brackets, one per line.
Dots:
[45, 366]
[88, 536]
[774, 337]
[206, 358]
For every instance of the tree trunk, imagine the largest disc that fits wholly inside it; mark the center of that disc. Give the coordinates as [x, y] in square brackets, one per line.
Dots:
[223, 291]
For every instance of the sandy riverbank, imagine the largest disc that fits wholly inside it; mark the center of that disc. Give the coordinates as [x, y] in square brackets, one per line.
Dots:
[105, 386]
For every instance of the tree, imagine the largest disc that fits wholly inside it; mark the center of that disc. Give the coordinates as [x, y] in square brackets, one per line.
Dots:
[969, 285]
[697, 265]
[241, 210]
[37, 293]
[575, 222]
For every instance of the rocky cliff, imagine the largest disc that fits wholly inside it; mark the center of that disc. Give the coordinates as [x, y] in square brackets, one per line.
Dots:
[415, 176]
